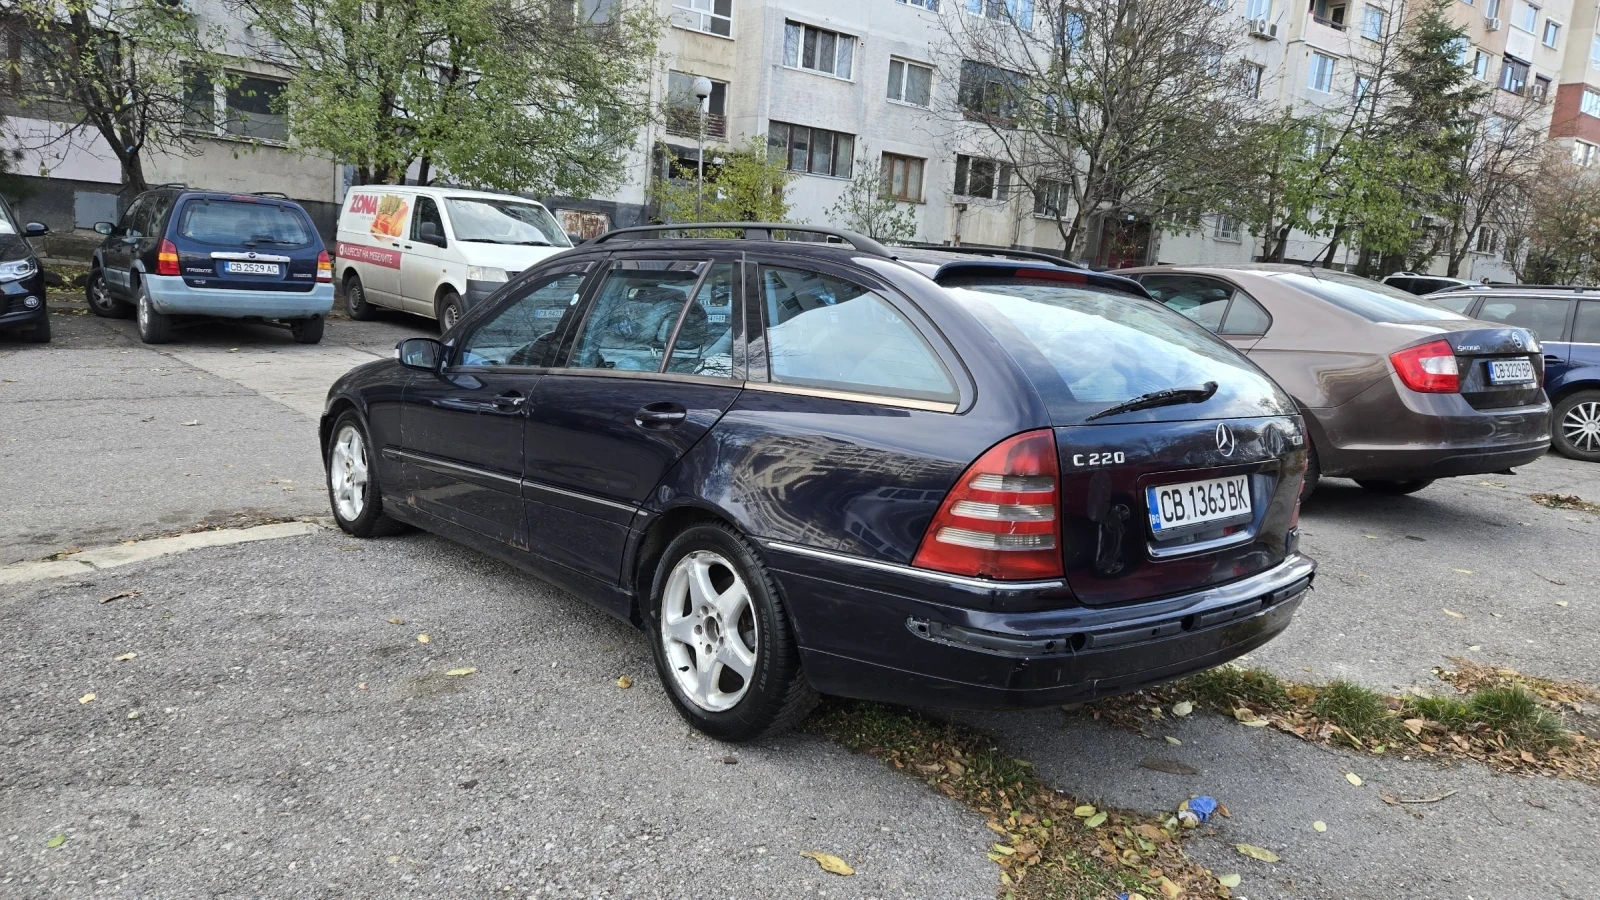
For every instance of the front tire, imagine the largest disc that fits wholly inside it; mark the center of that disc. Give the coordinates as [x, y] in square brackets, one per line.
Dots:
[101, 303]
[154, 327]
[1394, 488]
[307, 331]
[355, 299]
[353, 490]
[721, 637]
[1577, 426]
[448, 309]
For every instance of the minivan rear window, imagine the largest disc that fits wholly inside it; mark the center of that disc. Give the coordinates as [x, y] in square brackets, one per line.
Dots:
[243, 223]
[1368, 299]
[1088, 348]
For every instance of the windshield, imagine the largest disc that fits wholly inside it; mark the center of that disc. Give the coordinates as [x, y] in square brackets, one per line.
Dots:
[6, 225]
[243, 223]
[1368, 299]
[1087, 349]
[504, 222]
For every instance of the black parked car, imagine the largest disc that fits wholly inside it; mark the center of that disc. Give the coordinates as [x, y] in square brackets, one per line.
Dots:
[810, 467]
[178, 253]
[22, 299]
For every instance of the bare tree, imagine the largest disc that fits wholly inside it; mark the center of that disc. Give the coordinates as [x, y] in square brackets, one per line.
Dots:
[1114, 106]
[1555, 235]
[1492, 175]
[868, 205]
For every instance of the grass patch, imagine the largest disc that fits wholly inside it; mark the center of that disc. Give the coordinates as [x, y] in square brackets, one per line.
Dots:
[1043, 849]
[1361, 712]
[1565, 501]
[1229, 687]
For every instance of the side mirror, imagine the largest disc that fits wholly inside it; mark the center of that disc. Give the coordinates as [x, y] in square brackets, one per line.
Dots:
[428, 233]
[104, 227]
[35, 229]
[423, 354]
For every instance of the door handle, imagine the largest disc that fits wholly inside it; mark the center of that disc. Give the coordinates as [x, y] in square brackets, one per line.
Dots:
[510, 400]
[660, 416]
[1553, 360]
[408, 247]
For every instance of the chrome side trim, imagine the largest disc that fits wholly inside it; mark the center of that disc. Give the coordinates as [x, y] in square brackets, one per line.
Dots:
[252, 257]
[878, 399]
[575, 495]
[913, 572]
[469, 472]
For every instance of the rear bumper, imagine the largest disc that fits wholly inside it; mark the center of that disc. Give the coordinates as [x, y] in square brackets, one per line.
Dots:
[171, 296]
[860, 640]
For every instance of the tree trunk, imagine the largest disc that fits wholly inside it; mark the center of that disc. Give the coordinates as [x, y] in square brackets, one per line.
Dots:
[1333, 246]
[422, 170]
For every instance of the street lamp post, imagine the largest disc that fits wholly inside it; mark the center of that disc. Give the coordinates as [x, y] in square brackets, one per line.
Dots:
[702, 92]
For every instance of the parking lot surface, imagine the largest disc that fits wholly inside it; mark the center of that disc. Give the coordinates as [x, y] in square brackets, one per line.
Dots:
[281, 731]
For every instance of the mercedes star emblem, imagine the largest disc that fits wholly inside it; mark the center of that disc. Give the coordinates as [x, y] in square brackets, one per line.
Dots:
[1225, 442]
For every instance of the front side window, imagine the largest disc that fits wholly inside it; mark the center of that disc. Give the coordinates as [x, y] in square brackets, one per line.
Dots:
[709, 16]
[1321, 72]
[902, 177]
[427, 214]
[635, 315]
[812, 150]
[910, 82]
[524, 331]
[242, 223]
[491, 220]
[979, 177]
[826, 332]
[819, 50]
[1546, 317]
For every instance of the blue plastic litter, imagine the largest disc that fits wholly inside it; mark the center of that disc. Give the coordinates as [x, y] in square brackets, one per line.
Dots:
[1203, 807]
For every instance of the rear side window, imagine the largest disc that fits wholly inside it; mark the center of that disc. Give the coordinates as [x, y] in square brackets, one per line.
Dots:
[635, 315]
[1199, 299]
[243, 222]
[1454, 302]
[1546, 317]
[1246, 316]
[1368, 299]
[1087, 348]
[827, 332]
[1587, 329]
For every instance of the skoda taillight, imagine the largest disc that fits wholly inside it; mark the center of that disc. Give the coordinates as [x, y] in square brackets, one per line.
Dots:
[1429, 368]
[1003, 517]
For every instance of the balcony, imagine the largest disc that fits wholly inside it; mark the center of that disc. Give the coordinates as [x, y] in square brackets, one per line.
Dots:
[685, 122]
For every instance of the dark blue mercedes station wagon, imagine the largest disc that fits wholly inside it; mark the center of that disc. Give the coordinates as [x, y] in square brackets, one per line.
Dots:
[827, 466]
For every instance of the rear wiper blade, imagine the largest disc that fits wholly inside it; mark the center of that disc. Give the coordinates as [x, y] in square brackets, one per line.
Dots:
[1169, 397]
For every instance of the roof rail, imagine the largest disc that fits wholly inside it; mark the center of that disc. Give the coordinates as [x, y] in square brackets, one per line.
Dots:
[276, 195]
[170, 184]
[1001, 252]
[1504, 286]
[755, 231]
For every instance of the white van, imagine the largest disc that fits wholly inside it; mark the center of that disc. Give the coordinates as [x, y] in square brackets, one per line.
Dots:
[436, 251]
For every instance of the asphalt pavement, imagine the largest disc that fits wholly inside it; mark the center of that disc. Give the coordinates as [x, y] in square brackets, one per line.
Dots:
[258, 764]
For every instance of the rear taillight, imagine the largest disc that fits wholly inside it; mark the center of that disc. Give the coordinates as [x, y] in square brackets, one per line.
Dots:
[1428, 369]
[1003, 517]
[324, 267]
[167, 259]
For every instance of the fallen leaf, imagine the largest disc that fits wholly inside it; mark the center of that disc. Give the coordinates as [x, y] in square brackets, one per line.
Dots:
[830, 863]
[1414, 725]
[1182, 708]
[126, 656]
[1173, 741]
[954, 768]
[624, 682]
[1255, 852]
[1244, 714]
[1561, 603]
[56, 841]
[1256, 723]
[1168, 889]
[466, 670]
[134, 714]
[1084, 812]
[1463, 571]
[1451, 612]
[1169, 766]
[122, 596]
[423, 639]
[1353, 778]
[1004, 849]
[1095, 821]
[1229, 881]
[1319, 827]
[1474, 648]
[86, 698]
[191, 423]
[397, 621]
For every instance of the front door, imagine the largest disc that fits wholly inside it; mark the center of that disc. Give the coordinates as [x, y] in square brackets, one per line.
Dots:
[646, 375]
[422, 259]
[462, 429]
[117, 255]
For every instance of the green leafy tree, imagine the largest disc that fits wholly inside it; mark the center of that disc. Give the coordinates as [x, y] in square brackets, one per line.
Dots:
[868, 207]
[505, 94]
[116, 69]
[746, 185]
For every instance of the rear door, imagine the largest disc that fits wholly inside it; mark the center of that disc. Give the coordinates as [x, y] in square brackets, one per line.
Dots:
[646, 373]
[1547, 317]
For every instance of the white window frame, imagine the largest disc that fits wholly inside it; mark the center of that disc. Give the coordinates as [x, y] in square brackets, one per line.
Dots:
[1371, 16]
[1258, 9]
[1002, 10]
[1594, 53]
[1002, 178]
[1362, 88]
[1253, 75]
[929, 5]
[1529, 14]
[1492, 10]
[1226, 229]
[1589, 103]
[705, 12]
[1322, 86]
[839, 41]
[221, 113]
[1552, 34]
[905, 72]
[1046, 191]
[1584, 153]
[1480, 66]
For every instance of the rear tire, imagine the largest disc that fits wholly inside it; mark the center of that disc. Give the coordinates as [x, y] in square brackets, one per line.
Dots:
[1576, 431]
[355, 299]
[711, 599]
[154, 327]
[307, 331]
[101, 303]
[40, 333]
[448, 309]
[352, 480]
[1394, 488]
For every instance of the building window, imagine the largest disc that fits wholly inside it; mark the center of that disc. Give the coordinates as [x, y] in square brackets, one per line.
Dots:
[910, 82]
[815, 151]
[1321, 72]
[1227, 229]
[902, 177]
[1552, 32]
[989, 90]
[1480, 65]
[1018, 11]
[1594, 52]
[1584, 153]
[1590, 104]
[1513, 76]
[683, 107]
[1527, 17]
[1487, 240]
[1050, 198]
[1541, 87]
[1252, 75]
[1258, 9]
[979, 177]
[1363, 87]
[1372, 23]
[930, 5]
[828, 52]
[1491, 9]
[709, 16]
[249, 107]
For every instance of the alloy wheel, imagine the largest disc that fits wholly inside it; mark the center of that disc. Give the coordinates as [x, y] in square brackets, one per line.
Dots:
[347, 473]
[709, 630]
[1581, 426]
[144, 313]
